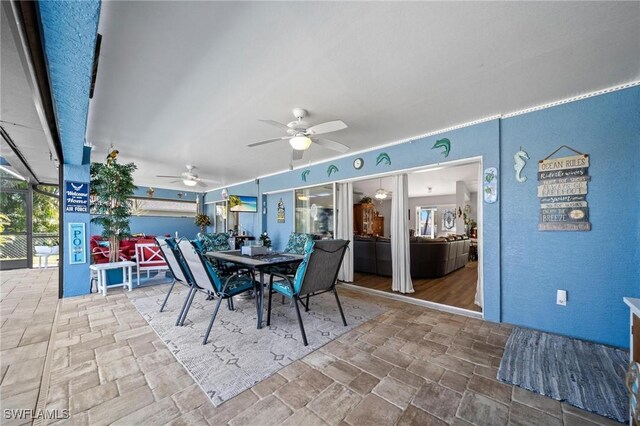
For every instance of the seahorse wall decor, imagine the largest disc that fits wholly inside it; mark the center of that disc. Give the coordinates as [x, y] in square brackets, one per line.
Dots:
[443, 143]
[383, 157]
[520, 158]
[305, 174]
[332, 169]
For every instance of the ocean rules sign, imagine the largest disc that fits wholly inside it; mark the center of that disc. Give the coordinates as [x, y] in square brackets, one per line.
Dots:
[76, 197]
[562, 190]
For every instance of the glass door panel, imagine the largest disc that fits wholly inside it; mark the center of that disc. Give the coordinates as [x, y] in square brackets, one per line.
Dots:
[314, 211]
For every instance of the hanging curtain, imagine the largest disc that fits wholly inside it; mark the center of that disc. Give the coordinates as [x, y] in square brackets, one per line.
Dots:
[400, 235]
[345, 228]
[479, 299]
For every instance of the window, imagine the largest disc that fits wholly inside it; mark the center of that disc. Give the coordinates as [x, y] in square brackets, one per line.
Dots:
[314, 211]
[425, 221]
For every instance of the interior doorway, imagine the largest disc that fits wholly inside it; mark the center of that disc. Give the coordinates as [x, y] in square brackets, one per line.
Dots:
[444, 212]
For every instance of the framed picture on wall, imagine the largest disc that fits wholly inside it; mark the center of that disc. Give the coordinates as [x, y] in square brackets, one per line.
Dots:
[449, 220]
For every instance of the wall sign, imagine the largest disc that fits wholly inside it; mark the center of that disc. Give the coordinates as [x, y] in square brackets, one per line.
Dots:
[490, 185]
[562, 190]
[77, 243]
[76, 197]
[280, 211]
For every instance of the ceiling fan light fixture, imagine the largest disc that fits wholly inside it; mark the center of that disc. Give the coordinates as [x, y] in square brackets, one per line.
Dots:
[300, 143]
[189, 182]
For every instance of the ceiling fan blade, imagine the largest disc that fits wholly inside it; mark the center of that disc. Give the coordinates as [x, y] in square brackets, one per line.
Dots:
[276, 124]
[176, 181]
[209, 180]
[297, 154]
[329, 126]
[164, 176]
[202, 184]
[328, 143]
[269, 141]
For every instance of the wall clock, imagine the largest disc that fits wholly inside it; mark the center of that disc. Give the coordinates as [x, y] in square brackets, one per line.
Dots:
[358, 163]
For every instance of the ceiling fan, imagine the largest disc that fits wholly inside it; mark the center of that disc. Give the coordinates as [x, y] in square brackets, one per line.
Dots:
[301, 135]
[189, 178]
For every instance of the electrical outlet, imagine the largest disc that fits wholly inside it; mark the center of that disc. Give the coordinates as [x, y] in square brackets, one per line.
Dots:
[561, 297]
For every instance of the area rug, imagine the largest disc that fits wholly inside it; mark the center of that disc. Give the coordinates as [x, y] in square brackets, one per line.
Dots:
[587, 375]
[238, 355]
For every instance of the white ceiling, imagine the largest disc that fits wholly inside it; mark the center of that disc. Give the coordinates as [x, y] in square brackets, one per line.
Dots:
[18, 114]
[442, 181]
[186, 82]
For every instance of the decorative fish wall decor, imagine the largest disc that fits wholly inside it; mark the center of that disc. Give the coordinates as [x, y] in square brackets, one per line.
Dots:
[304, 175]
[332, 169]
[520, 158]
[443, 143]
[383, 157]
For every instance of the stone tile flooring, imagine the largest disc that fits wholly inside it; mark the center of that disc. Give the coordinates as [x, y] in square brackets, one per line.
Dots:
[412, 365]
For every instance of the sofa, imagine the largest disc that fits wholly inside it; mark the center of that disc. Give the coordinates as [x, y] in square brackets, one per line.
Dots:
[99, 247]
[429, 258]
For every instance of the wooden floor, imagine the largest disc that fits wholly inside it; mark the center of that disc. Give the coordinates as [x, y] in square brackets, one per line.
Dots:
[455, 289]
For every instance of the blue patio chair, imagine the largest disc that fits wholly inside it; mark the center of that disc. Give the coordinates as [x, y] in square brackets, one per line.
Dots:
[317, 274]
[205, 276]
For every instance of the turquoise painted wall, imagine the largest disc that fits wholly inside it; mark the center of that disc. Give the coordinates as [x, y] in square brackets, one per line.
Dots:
[597, 268]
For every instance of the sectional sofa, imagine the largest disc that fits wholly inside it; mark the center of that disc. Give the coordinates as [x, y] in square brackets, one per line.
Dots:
[429, 258]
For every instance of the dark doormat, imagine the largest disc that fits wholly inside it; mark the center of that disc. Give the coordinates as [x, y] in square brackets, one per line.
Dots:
[587, 375]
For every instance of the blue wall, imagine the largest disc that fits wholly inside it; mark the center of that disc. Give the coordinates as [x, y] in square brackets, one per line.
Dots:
[597, 268]
[279, 232]
[69, 32]
[158, 225]
[76, 277]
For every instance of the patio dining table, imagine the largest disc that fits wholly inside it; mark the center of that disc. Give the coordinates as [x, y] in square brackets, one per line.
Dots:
[258, 263]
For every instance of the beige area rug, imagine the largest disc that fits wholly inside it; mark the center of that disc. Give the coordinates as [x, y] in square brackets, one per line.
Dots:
[238, 355]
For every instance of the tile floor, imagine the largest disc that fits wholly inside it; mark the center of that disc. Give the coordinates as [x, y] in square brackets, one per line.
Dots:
[412, 365]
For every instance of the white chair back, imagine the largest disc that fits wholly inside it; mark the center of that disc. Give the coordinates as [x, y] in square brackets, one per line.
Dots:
[172, 261]
[195, 265]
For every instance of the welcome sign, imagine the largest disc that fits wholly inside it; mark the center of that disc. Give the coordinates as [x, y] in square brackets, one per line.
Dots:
[76, 197]
[562, 190]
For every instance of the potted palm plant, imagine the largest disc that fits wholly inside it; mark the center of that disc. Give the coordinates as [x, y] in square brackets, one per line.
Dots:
[111, 188]
[202, 220]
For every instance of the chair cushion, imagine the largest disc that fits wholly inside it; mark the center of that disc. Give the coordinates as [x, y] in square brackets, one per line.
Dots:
[238, 284]
[215, 242]
[282, 288]
[297, 243]
[299, 277]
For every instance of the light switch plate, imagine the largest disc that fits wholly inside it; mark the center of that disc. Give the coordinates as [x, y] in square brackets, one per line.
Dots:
[561, 298]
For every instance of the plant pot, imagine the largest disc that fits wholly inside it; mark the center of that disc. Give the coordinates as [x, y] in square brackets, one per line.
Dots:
[114, 276]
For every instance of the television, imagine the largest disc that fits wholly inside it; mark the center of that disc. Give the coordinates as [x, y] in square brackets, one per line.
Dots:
[240, 203]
